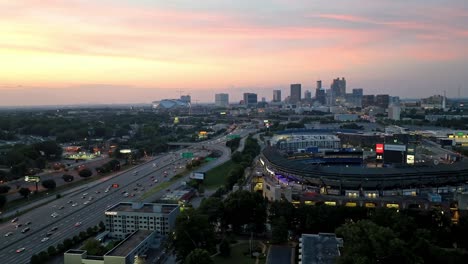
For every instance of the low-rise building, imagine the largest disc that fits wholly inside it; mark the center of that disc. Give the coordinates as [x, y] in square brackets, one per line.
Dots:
[136, 244]
[125, 218]
[322, 248]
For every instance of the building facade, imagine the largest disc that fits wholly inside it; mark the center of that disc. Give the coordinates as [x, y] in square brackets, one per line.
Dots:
[276, 96]
[338, 87]
[222, 100]
[295, 142]
[250, 99]
[295, 96]
[125, 218]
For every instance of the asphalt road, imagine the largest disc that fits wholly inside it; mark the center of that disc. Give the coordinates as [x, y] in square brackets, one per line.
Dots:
[92, 213]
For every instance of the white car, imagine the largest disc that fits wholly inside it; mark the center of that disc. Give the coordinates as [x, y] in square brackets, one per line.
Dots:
[44, 239]
[9, 234]
[54, 215]
[75, 204]
[86, 202]
[84, 194]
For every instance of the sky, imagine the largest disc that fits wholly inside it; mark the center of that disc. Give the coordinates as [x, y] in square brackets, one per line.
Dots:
[138, 51]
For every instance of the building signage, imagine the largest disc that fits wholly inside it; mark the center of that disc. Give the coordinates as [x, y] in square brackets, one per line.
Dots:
[198, 175]
[379, 148]
[395, 147]
[32, 178]
[410, 159]
[110, 213]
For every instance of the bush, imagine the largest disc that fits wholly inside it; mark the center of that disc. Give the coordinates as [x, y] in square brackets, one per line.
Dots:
[85, 173]
[49, 184]
[224, 248]
[52, 251]
[68, 178]
[4, 188]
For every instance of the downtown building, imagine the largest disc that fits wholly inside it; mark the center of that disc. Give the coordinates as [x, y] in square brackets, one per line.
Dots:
[276, 96]
[338, 88]
[295, 96]
[222, 100]
[250, 99]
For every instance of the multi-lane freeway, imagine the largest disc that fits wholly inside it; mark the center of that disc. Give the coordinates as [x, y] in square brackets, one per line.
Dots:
[68, 216]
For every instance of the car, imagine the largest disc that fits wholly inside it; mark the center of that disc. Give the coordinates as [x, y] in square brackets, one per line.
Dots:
[86, 202]
[84, 194]
[9, 234]
[18, 225]
[156, 180]
[54, 228]
[77, 224]
[135, 189]
[19, 250]
[126, 194]
[97, 191]
[61, 207]
[54, 215]
[44, 239]
[132, 195]
[107, 190]
[14, 220]
[28, 223]
[75, 204]
[48, 234]
[69, 202]
[25, 230]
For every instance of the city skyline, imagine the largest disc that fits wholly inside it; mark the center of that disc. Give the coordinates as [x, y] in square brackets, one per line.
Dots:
[78, 52]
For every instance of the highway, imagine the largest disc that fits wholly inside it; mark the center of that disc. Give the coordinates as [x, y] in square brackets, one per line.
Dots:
[75, 210]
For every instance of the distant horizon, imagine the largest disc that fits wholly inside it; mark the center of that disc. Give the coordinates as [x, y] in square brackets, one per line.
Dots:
[67, 52]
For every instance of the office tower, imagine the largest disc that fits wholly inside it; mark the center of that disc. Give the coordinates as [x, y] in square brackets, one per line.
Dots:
[382, 100]
[319, 84]
[320, 96]
[295, 96]
[307, 95]
[222, 99]
[276, 95]
[394, 112]
[358, 92]
[186, 98]
[250, 99]
[368, 100]
[338, 87]
[263, 99]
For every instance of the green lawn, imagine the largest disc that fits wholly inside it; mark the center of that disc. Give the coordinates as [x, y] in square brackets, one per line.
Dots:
[237, 255]
[216, 177]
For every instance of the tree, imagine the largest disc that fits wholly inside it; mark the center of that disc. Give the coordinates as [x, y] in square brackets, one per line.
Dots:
[85, 173]
[67, 243]
[35, 259]
[282, 209]
[4, 188]
[49, 184]
[192, 230]
[51, 250]
[244, 207]
[102, 226]
[3, 201]
[68, 177]
[94, 247]
[25, 192]
[225, 248]
[43, 256]
[367, 242]
[198, 256]
[279, 231]
[213, 208]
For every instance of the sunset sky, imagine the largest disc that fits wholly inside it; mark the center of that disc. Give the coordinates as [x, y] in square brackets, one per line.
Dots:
[124, 51]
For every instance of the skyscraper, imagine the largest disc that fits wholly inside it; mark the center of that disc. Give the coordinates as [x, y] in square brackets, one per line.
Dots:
[307, 95]
[358, 92]
[295, 96]
[382, 100]
[222, 99]
[319, 84]
[276, 95]
[320, 95]
[368, 100]
[250, 99]
[338, 87]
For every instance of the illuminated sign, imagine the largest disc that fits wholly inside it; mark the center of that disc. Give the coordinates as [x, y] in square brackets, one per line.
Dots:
[395, 147]
[125, 151]
[262, 162]
[410, 159]
[198, 175]
[270, 171]
[379, 148]
[110, 213]
[32, 178]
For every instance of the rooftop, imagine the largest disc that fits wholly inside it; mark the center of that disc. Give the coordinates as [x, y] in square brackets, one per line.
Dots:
[320, 248]
[143, 207]
[130, 243]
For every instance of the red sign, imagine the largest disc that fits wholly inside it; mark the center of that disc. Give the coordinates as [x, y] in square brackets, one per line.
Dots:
[379, 148]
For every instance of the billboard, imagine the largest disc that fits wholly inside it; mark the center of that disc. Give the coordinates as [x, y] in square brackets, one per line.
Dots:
[395, 147]
[198, 175]
[379, 148]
